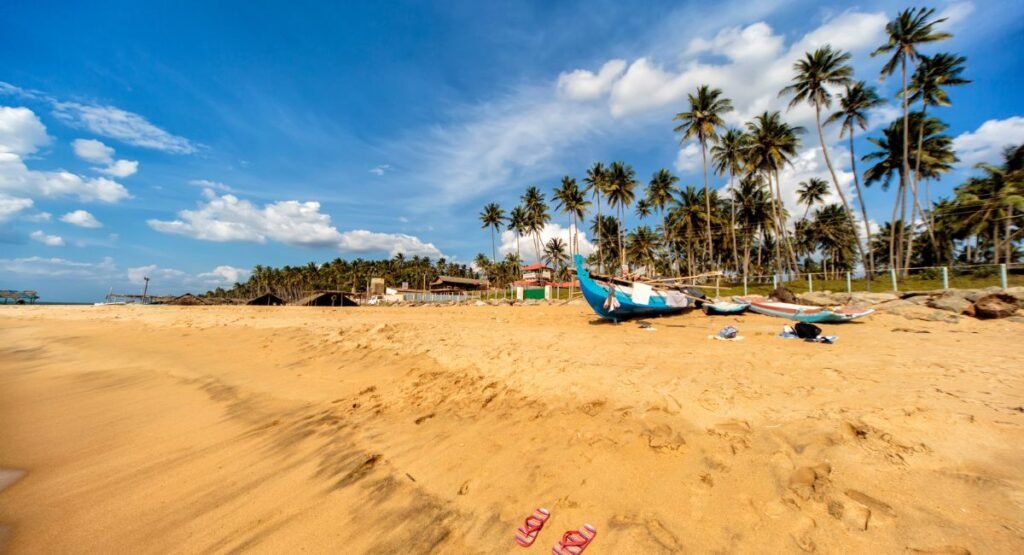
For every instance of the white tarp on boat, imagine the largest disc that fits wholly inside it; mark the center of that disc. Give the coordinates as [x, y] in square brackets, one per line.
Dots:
[641, 293]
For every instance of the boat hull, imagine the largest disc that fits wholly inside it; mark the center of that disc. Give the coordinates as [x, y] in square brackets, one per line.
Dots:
[724, 309]
[596, 294]
[808, 314]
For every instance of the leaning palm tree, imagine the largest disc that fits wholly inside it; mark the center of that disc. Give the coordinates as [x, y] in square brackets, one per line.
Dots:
[492, 217]
[596, 179]
[728, 156]
[819, 69]
[569, 199]
[661, 190]
[854, 105]
[910, 28]
[702, 123]
[811, 192]
[928, 85]
[621, 183]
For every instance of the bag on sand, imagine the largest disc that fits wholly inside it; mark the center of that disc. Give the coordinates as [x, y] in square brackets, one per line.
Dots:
[806, 331]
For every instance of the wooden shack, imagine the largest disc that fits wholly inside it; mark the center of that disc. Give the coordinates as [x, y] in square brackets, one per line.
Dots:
[266, 299]
[451, 284]
[326, 298]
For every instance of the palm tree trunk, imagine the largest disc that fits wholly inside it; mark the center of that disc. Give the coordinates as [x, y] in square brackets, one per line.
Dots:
[917, 174]
[794, 265]
[732, 221]
[863, 210]
[905, 166]
[832, 172]
[494, 250]
[775, 224]
[904, 230]
[892, 230]
[622, 252]
[597, 235]
[707, 198]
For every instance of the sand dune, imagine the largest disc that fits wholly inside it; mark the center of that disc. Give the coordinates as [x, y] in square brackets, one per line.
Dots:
[416, 430]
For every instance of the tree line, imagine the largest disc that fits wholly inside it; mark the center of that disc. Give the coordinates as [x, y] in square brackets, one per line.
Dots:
[746, 230]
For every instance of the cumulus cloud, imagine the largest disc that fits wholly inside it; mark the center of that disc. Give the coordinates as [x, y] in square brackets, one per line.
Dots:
[10, 206]
[229, 218]
[48, 240]
[986, 143]
[225, 275]
[209, 184]
[171, 280]
[121, 125]
[81, 218]
[689, 159]
[526, 249]
[381, 170]
[121, 168]
[58, 267]
[21, 133]
[93, 151]
[582, 84]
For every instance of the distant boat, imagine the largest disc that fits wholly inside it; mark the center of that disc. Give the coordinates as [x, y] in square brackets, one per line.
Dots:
[801, 313]
[618, 301]
[723, 308]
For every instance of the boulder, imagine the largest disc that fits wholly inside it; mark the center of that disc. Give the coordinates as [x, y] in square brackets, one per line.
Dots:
[974, 295]
[823, 298]
[868, 299]
[998, 305]
[783, 295]
[949, 303]
[1016, 293]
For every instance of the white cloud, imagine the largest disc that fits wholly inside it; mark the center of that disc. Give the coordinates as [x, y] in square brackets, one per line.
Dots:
[21, 132]
[9, 206]
[228, 218]
[225, 275]
[121, 168]
[582, 84]
[689, 159]
[57, 267]
[39, 217]
[124, 126]
[81, 218]
[986, 143]
[381, 170]
[956, 12]
[403, 219]
[48, 240]
[165, 281]
[93, 151]
[138, 275]
[209, 184]
[526, 249]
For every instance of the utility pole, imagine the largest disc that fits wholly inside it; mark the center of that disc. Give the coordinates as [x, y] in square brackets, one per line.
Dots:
[145, 289]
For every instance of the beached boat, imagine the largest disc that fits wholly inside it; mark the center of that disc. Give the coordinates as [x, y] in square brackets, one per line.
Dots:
[723, 308]
[801, 313]
[618, 301]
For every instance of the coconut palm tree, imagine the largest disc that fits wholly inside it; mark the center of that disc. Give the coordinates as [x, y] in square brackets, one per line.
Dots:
[701, 123]
[911, 28]
[643, 208]
[642, 246]
[685, 219]
[814, 73]
[661, 190]
[811, 192]
[621, 185]
[992, 199]
[753, 213]
[554, 254]
[854, 105]
[728, 157]
[537, 215]
[569, 199]
[606, 228]
[518, 224]
[492, 217]
[596, 180]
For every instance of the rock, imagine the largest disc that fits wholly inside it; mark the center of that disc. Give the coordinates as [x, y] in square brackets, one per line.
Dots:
[1017, 293]
[1018, 319]
[995, 306]
[868, 299]
[480, 303]
[823, 298]
[938, 316]
[949, 303]
[784, 295]
[974, 295]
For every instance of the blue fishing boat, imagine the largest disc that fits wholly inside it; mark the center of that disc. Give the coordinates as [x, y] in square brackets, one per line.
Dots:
[800, 313]
[618, 301]
[724, 308]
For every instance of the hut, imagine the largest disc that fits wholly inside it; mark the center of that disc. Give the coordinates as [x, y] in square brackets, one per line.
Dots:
[450, 284]
[266, 299]
[326, 298]
[19, 297]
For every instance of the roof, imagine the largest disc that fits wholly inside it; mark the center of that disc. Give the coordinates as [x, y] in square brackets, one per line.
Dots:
[536, 266]
[9, 294]
[342, 295]
[464, 281]
[538, 283]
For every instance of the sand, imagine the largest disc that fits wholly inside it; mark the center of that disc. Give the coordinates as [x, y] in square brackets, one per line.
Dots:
[438, 429]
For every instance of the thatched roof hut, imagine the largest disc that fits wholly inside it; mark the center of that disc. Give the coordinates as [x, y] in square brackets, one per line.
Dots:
[326, 298]
[266, 299]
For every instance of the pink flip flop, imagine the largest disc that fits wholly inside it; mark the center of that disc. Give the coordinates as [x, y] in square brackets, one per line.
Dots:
[527, 533]
[575, 541]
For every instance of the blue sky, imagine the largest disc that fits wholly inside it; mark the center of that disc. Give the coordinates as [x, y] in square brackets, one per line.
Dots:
[189, 142]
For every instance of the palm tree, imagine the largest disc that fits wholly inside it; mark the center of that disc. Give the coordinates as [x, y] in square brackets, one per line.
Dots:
[596, 179]
[992, 200]
[854, 105]
[753, 211]
[685, 221]
[569, 199]
[702, 122]
[910, 28]
[814, 74]
[605, 227]
[643, 208]
[927, 85]
[728, 156]
[536, 215]
[811, 192]
[492, 217]
[661, 190]
[518, 223]
[554, 253]
[621, 182]
[642, 245]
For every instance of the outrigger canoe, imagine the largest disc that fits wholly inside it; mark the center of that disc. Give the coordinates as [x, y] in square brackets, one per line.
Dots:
[724, 308]
[801, 313]
[618, 301]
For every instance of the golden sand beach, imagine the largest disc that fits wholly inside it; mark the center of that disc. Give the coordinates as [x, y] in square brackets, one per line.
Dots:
[438, 429]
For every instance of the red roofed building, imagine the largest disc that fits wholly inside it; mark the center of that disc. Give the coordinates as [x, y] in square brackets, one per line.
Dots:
[539, 275]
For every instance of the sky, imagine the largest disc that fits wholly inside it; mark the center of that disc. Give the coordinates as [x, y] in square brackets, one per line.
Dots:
[189, 141]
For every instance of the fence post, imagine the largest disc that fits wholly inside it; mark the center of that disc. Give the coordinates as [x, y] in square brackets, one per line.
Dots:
[1002, 275]
[945, 277]
[810, 284]
[744, 285]
[775, 281]
[892, 276]
[849, 283]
